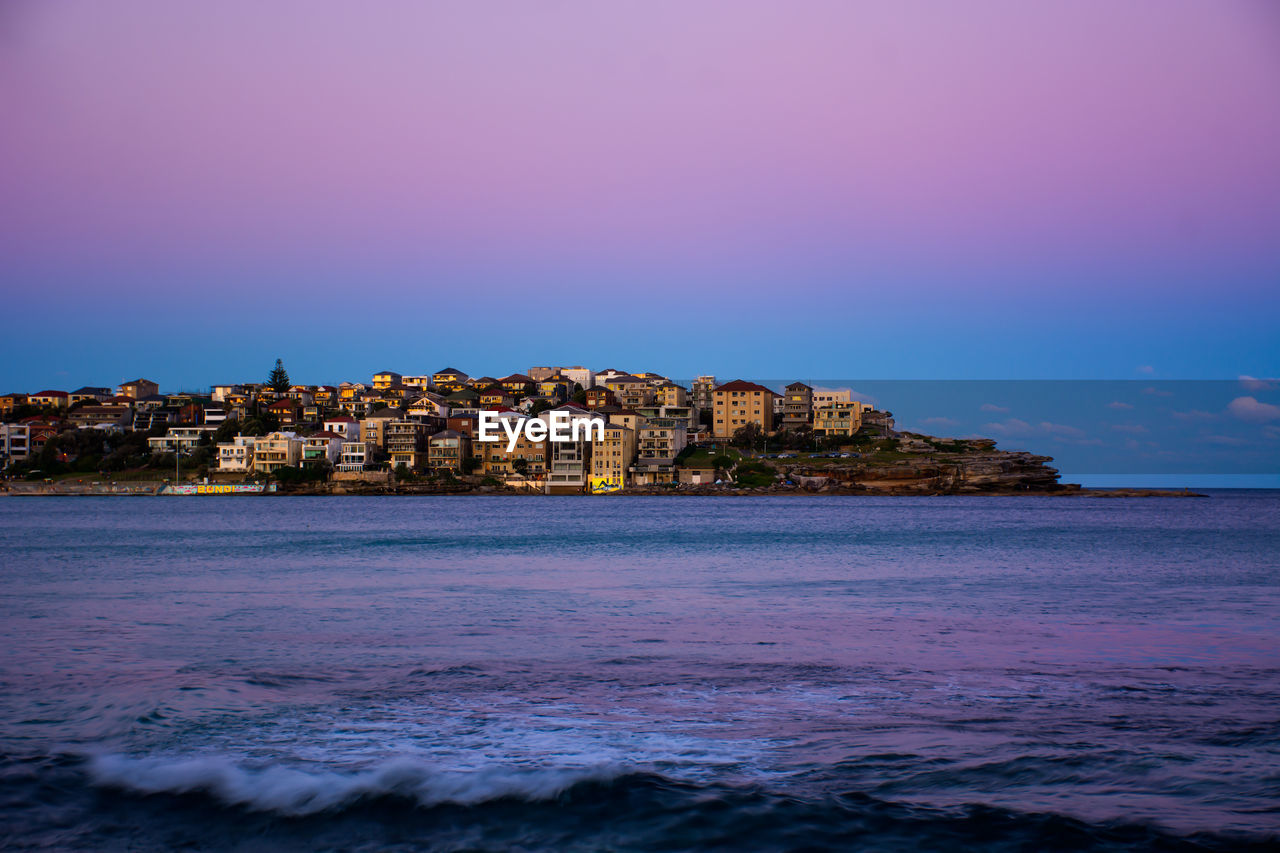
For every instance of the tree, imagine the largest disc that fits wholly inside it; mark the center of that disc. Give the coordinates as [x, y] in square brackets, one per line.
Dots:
[520, 466]
[539, 407]
[579, 395]
[748, 436]
[470, 464]
[278, 378]
[722, 462]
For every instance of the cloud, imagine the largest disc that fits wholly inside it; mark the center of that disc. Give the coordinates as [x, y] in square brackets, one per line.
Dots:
[1228, 440]
[940, 422]
[1249, 409]
[1145, 368]
[1133, 429]
[1116, 404]
[1195, 415]
[1271, 431]
[1012, 426]
[1156, 392]
[992, 407]
[1252, 383]
[1062, 429]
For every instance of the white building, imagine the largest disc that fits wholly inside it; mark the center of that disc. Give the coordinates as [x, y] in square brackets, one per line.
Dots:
[184, 438]
[322, 445]
[345, 426]
[236, 456]
[15, 443]
[584, 377]
[355, 455]
[568, 464]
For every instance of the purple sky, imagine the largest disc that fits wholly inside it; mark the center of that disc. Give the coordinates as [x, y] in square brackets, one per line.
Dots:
[886, 189]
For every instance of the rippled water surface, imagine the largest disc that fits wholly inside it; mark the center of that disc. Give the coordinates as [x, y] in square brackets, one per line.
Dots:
[640, 673]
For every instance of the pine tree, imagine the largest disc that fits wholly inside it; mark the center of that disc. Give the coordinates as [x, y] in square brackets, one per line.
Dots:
[278, 379]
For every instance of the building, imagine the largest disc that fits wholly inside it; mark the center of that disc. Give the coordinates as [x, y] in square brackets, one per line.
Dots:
[704, 389]
[345, 426]
[236, 456]
[90, 393]
[738, 403]
[356, 456]
[671, 394]
[406, 444]
[611, 456]
[15, 443]
[569, 470]
[373, 428]
[518, 384]
[385, 379]
[823, 396]
[446, 450]
[628, 418]
[688, 414]
[840, 418]
[578, 375]
[797, 406]
[184, 438]
[9, 402]
[138, 389]
[84, 417]
[599, 395]
[420, 383]
[498, 462]
[321, 447]
[50, 399]
[275, 451]
[659, 442]
[449, 380]
[219, 393]
[286, 411]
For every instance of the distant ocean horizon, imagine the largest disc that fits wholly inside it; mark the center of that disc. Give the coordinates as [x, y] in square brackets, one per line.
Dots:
[570, 673]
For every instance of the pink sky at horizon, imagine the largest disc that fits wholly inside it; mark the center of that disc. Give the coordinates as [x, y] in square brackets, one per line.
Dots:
[1127, 148]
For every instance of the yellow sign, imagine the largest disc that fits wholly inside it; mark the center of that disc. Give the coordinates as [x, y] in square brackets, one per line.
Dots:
[604, 485]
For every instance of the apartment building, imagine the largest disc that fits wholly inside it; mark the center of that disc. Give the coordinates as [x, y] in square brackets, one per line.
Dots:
[611, 458]
[276, 450]
[406, 444]
[446, 450]
[839, 418]
[797, 406]
[236, 456]
[569, 472]
[738, 403]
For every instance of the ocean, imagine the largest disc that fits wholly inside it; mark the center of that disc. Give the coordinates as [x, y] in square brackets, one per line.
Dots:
[498, 673]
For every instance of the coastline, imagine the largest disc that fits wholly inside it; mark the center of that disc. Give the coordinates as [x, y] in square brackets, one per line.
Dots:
[421, 490]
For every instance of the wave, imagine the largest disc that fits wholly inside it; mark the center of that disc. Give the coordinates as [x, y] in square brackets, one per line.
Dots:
[119, 802]
[296, 792]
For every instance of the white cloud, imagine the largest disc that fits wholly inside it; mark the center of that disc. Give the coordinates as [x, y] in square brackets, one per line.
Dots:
[1228, 440]
[1252, 383]
[1062, 429]
[1012, 426]
[1156, 392]
[1195, 415]
[940, 422]
[1133, 429]
[1249, 409]
[992, 407]
[1116, 404]
[1146, 368]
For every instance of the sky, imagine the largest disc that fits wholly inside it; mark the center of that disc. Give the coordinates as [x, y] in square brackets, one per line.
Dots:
[899, 189]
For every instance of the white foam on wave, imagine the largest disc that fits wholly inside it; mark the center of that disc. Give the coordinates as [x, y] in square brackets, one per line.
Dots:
[295, 791]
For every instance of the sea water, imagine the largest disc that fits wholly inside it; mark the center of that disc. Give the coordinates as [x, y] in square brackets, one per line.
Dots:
[640, 673]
